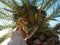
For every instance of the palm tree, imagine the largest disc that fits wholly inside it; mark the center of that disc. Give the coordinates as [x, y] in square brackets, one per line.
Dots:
[33, 13]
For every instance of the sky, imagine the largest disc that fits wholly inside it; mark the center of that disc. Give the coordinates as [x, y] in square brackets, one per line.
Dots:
[52, 24]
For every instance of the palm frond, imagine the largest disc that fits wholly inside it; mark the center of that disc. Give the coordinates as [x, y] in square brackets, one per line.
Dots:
[23, 2]
[58, 32]
[4, 37]
[57, 27]
[7, 26]
[9, 10]
[4, 16]
[42, 5]
[39, 16]
[6, 3]
[34, 2]
[49, 3]
[54, 14]
[16, 4]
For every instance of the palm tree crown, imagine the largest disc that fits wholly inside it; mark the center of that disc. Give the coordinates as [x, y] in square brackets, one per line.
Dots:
[33, 13]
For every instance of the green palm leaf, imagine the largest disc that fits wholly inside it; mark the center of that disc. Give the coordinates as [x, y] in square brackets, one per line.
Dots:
[54, 14]
[4, 37]
[8, 4]
[7, 26]
[57, 27]
[49, 3]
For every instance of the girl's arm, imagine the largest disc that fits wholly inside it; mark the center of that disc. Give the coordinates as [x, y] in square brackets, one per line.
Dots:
[32, 34]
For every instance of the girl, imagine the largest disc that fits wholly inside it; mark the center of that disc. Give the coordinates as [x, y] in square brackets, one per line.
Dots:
[18, 36]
